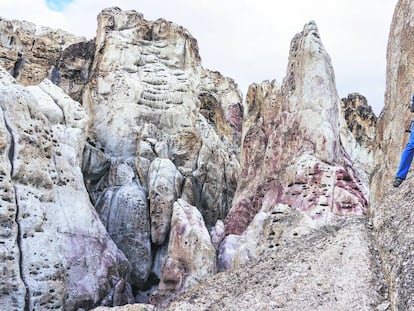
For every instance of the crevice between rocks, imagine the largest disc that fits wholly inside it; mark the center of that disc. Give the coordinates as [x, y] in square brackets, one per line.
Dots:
[384, 290]
[19, 245]
[11, 154]
[11, 151]
[18, 65]
[57, 104]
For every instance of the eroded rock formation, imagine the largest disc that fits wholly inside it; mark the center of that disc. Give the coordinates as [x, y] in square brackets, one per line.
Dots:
[392, 208]
[56, 252]
[29, 52]
[292, 152]
[361, 121]
[154, 127]
[396, 117]
[166, 125]
[191, 256]
[131, 174]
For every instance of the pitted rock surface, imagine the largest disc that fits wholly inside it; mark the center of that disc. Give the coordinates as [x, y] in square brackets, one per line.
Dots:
[43, 133]
[292, 152]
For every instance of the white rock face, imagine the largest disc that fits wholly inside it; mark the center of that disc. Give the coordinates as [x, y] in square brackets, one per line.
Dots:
[161, 122]
[80, 266]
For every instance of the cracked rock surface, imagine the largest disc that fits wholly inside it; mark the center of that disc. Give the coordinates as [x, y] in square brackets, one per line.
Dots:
[59, 253]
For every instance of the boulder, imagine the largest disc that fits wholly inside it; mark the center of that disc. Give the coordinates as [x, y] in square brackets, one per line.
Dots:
[191, 256]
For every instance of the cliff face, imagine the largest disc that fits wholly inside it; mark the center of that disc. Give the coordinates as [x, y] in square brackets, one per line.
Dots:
[395, 118]
[104, 176]
[130, 173]
[56, 254]
[392, 208]
[298, 232]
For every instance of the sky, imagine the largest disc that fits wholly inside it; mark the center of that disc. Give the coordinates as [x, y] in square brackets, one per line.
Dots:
[249, 40]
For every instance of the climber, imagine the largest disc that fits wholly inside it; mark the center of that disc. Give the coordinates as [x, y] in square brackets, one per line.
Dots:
[407, 154]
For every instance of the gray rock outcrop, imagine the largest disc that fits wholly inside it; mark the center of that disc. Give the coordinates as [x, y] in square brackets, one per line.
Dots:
[395, 118]
[191, 256]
